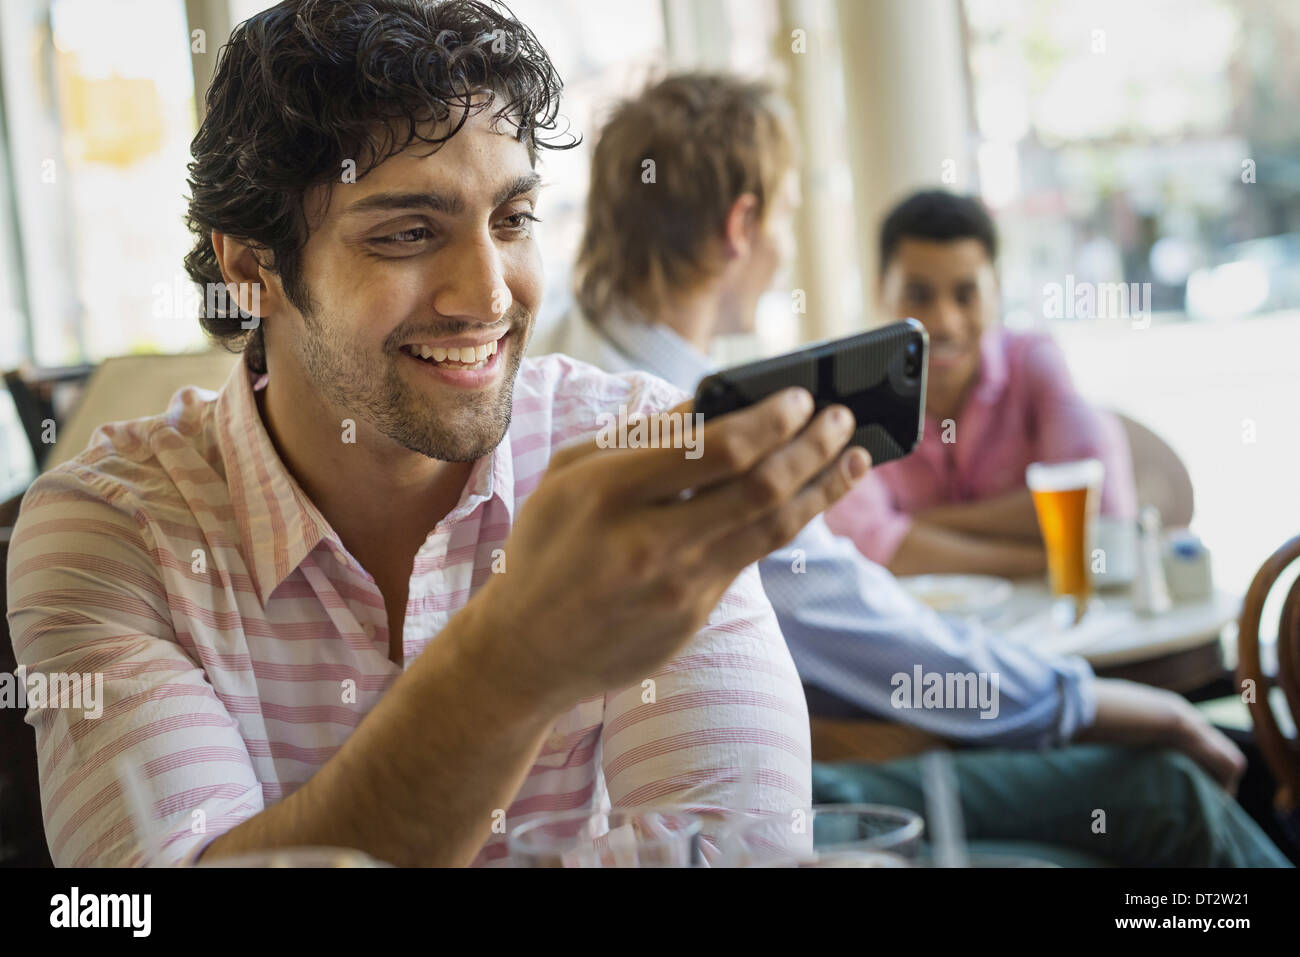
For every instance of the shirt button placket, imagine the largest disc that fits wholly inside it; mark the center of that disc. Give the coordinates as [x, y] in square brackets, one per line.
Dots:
[437, 551]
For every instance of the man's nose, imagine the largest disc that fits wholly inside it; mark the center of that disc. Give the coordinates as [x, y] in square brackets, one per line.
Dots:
[947, 318]
[473, 285]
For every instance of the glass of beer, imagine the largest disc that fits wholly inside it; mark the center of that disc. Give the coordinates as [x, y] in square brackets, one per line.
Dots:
[1066, 496]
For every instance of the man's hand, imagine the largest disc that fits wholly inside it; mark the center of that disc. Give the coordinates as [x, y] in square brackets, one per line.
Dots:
[929, 549]
[620, 555]
[1137, 714]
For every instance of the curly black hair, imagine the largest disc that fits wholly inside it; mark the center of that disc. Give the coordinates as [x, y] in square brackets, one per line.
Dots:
[308, 84]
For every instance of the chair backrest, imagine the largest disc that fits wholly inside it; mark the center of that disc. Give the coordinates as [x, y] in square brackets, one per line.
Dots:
[1279, 751]
[33, 409]
[32, 392]
[1161, 476]
[130, 387]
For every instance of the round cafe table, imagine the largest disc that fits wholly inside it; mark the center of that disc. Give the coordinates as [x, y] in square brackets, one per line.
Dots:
[1179, 649]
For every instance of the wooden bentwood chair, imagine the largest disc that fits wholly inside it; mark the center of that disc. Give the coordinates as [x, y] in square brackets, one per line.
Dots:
[1280, 752]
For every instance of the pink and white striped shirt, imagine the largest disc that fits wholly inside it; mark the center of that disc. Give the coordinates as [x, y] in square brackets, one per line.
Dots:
[240, 644]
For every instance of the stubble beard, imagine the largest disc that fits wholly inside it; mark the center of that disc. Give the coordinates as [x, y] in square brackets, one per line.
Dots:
[465, 426]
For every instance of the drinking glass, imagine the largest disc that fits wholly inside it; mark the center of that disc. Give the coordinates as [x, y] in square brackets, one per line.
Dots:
[827, 835]
[621, 837]
[1066, 497]
[987, 860]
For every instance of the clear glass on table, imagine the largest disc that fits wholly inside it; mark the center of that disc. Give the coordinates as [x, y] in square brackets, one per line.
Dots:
[617, 837]
[828, 835]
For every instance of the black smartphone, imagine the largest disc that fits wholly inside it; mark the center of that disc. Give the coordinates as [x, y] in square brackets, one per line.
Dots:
[879, 375]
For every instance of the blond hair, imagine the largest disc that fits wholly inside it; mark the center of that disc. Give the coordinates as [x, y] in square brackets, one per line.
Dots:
[668, 165]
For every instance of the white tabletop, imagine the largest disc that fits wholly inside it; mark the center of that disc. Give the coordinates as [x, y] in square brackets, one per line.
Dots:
[1112, 633]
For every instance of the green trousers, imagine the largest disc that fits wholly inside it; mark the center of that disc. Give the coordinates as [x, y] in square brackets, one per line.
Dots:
[1157, 808]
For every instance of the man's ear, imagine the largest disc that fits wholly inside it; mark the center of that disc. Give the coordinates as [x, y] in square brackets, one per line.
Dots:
[741, 226]
[241, 271]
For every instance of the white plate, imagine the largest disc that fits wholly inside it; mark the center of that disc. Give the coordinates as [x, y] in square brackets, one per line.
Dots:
[958, 594]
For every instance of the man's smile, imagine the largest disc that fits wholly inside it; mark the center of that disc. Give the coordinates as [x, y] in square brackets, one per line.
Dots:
[466, 362]
[947, 353]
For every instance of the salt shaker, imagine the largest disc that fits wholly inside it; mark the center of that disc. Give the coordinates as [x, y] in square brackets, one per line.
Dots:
[1150, 590]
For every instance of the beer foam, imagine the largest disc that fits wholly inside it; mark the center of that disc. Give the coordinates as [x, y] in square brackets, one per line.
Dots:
[1063, 476]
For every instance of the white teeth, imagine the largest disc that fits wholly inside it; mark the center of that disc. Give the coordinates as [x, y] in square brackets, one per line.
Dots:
[472, 356]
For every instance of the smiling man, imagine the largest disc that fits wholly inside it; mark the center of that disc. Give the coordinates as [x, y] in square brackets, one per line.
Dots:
[361, 597]
[995, 401]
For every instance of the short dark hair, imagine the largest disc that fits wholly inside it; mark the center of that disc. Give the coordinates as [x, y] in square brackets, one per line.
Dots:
[938, 216]
[306, 85]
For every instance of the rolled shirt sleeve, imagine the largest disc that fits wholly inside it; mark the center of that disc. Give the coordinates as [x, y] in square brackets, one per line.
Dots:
[86, 599]
[852, 628]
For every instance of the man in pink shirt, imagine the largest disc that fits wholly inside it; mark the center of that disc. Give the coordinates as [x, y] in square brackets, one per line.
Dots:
[995, 401]
[384, 591]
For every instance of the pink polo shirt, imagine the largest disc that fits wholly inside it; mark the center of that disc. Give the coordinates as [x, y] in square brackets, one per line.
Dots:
[1023, 409]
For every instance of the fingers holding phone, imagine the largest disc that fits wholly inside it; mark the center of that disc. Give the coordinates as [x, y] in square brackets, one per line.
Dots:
[613, 570]
[788, 486]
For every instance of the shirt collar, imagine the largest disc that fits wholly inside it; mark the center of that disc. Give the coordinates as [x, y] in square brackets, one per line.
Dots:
[656, 348]
[279, 525]
[493, 476]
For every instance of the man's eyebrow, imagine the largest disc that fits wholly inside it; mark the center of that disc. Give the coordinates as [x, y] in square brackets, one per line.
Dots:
[522, 184]
[439, 203]
[448, 205]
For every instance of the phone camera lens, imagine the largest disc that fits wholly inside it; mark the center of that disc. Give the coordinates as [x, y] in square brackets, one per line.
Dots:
[913, 367]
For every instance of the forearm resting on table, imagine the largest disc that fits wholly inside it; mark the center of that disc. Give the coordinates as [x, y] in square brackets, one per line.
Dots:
[1009, 516]
[416, 783]
[928, 549]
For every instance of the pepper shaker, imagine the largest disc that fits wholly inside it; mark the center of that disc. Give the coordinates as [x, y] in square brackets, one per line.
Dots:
[1150, 590]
